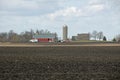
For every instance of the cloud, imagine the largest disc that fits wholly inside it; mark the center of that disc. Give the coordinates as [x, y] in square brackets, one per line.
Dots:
[111, 4]
[114, 5]
[18, 4]
[96, 7]
[28, 7]
[30, 4]
[77, 12]
[19, 7]
[94, 1]
[70, 11]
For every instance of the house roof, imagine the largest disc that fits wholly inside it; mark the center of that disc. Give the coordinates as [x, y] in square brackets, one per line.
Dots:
[45, 36]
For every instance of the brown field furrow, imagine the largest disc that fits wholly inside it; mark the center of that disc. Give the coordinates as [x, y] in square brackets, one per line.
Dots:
[55, 44]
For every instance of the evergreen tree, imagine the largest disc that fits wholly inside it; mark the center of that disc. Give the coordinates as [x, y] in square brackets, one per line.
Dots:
[104, 38]
[114, 40]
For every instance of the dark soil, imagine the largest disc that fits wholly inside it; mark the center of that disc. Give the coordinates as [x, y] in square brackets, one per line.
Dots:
[60, 63]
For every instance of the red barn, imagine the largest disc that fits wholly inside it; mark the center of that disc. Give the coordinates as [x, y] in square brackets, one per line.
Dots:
[46, 37]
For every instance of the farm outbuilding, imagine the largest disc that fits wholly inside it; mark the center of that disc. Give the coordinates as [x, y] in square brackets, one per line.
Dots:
[52, 37]
[84, 36]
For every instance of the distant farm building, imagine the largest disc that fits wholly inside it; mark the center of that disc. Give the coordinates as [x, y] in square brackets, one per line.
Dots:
[52, 37]
[84, 36]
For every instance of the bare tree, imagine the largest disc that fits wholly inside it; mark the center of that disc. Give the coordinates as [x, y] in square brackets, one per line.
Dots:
[32, 33]
[3, 37]
[97, 35]
[94, 35]
[37, 32]
[26, 36]
[12, 36]
[100, 35]
[118, 37]
[42, 31]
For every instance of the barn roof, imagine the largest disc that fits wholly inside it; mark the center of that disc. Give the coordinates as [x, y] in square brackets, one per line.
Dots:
[45, 36]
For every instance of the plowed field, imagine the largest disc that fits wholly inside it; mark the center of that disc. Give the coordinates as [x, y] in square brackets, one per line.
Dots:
[60, 63]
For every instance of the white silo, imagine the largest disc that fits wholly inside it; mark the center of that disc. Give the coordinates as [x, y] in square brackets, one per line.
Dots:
[65, 32]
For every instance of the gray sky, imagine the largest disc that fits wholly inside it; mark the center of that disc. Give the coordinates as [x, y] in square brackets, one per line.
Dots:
[81, 16]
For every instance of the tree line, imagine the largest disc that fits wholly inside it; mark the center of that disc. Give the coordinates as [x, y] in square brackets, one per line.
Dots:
[25, 36]
[95, 35]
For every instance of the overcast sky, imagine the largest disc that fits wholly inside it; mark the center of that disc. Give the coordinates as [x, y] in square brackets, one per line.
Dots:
[81, 16]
